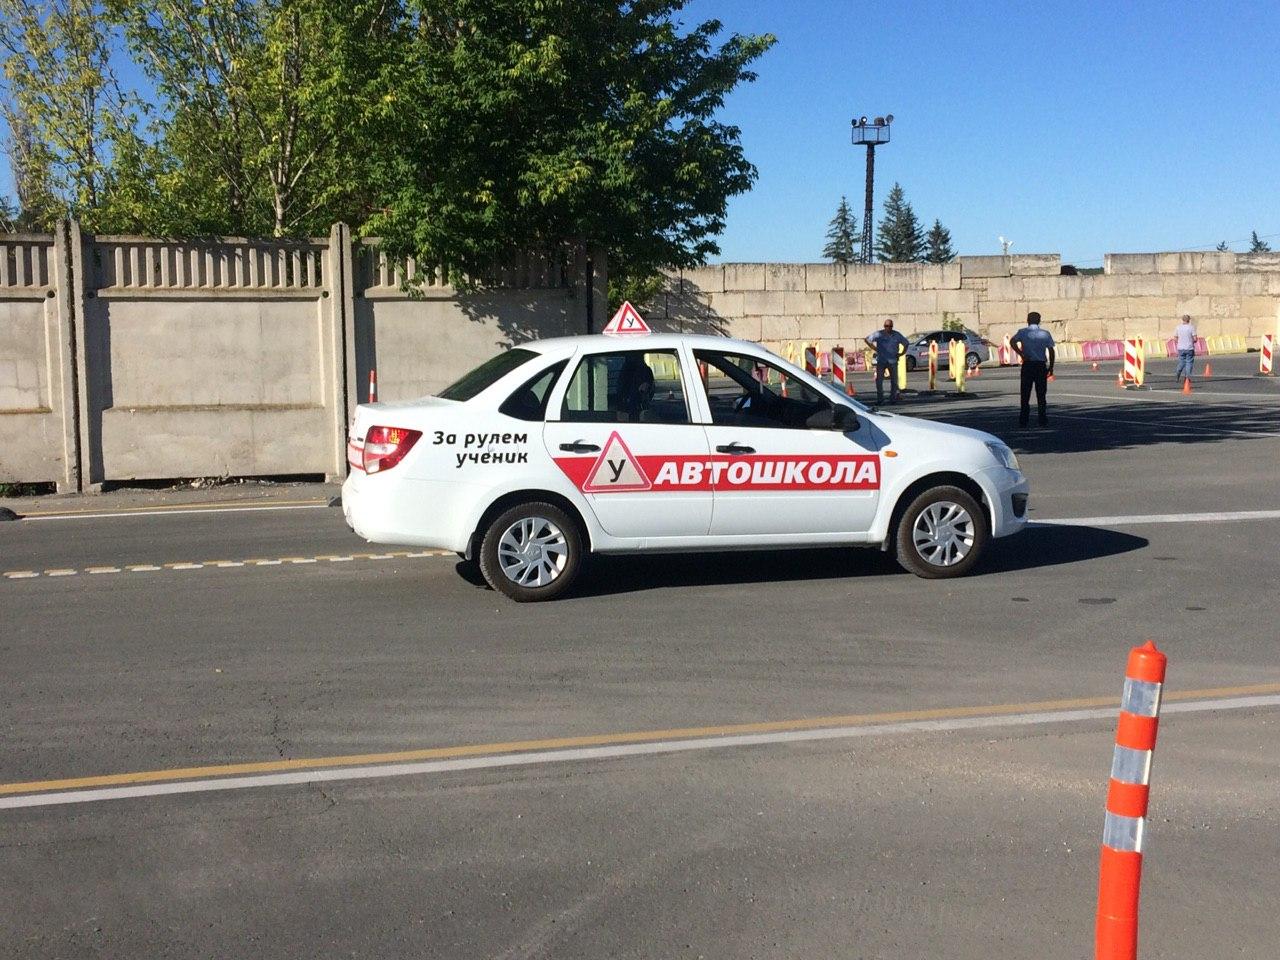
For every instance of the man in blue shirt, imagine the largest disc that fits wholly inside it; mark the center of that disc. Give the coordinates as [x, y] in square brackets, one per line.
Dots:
[888, 345]
[1035, 347]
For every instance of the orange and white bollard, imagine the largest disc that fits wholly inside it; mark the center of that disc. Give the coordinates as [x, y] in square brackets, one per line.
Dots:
[1120, 871]
[839, 374]
[811, 361]
[1134, 365]
[373, 386]
[1265, 362]
[933, 365]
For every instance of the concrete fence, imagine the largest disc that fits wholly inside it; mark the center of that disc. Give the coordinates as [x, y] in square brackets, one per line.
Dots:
[126, 358]
[1137, 295]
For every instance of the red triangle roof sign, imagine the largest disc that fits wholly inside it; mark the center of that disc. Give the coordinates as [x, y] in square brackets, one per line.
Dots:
[627, 322]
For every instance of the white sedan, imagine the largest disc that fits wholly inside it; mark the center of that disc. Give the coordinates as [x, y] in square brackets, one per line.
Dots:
[557, 449]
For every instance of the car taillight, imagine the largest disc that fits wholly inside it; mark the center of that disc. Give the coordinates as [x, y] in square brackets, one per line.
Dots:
[384, 447]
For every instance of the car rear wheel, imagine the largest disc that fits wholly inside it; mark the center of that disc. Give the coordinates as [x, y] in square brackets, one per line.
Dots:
[531, 552]
[911, 362]
[972, 360]
[942, 534]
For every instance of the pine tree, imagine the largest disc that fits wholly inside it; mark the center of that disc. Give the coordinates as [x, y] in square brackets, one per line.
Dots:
[1258, 246]
[900, 238]
[1222, 247]
[938, 244]
[842, 235]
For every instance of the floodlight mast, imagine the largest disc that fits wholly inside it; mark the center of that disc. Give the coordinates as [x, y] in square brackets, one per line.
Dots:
[870, 133]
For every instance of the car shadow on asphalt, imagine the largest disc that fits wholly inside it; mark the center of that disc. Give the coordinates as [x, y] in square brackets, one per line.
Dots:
[1033, 548]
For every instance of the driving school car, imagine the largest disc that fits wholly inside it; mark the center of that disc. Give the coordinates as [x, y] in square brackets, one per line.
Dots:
[558, 449]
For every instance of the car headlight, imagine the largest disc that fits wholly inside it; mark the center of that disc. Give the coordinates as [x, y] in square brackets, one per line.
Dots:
[1004, 456]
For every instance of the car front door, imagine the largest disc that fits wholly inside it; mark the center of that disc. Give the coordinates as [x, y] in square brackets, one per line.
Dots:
[616, 428]
[778, 466]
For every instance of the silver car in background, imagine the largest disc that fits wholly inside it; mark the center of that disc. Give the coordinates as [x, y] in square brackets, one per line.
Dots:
[976, 349]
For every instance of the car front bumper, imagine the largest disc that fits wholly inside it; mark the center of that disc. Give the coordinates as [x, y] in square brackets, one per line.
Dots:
[1007, 493]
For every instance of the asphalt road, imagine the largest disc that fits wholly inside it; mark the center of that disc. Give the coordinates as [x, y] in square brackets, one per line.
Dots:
[890, 839]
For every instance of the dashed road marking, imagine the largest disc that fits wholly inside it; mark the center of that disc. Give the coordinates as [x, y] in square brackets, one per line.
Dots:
[219, 564]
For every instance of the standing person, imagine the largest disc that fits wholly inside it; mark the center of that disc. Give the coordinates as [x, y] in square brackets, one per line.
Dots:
[888, 345]
[1035, 347]
[1186, 337]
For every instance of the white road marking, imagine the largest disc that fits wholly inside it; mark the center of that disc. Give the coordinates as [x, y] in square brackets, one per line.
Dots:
[170, 513]
[21, 574]
[535, 758]
[60, 573]
[216, 564]
[1171, 428]
[1125, 520]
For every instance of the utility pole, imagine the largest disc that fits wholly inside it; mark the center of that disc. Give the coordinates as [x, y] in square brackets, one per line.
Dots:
[870, 134]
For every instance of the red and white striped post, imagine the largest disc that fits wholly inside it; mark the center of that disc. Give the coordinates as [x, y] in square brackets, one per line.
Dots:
[373, 386]
[811, 361]
[1266, 360]
[839, 374]
[1120, 872]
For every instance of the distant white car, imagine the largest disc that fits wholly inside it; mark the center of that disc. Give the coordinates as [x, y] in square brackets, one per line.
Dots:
[557, 449]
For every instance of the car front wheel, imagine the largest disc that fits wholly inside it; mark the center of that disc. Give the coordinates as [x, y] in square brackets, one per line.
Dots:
[911, 362]
[972, 360]
[942, 534]
[531, 552]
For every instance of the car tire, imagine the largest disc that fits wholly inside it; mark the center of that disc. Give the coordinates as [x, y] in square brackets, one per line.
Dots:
[972, 360]
[550, 566]
[942, 534]
[911, 363]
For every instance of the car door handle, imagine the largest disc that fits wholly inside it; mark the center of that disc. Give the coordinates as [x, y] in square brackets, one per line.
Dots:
[734, 448]
[579, 447]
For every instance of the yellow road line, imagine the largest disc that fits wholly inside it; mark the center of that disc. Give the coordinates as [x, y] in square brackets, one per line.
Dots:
[603, 739]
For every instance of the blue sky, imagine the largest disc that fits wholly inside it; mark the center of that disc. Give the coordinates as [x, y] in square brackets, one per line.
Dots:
[1082, 128]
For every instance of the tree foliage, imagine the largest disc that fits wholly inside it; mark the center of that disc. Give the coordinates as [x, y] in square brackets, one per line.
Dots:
[1257, 245]
[842, 240]
[938, 244]
[1222, 247]
[66, 114]
[525, 123]
[900, 239]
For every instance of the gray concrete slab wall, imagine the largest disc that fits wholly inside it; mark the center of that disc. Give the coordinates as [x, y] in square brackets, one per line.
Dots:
[126, 358]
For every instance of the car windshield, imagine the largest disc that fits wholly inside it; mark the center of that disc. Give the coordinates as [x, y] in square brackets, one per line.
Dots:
[485, 375]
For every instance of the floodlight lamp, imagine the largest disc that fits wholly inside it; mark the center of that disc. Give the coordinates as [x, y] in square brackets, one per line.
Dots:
[888, 118]
[879, 121]
[862, 121]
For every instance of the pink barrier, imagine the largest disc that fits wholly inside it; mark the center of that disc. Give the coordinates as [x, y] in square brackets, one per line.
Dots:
[1171, 347]
[1091, 350]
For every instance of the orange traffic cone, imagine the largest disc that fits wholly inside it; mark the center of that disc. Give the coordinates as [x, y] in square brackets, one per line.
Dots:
[1120, 380]
[1052, 378]
[1208, 369]
[1095, 365]
[1186, 386]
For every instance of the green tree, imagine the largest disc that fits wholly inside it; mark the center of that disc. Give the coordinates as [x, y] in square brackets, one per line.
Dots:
[266, 111]
[525, 124]
[65, 111]
[1256, 245]
[899, 239]
[938, 244]
[842, 241]
[1222, 247]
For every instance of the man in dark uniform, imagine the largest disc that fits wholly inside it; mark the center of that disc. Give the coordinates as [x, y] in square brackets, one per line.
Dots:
[1035, 347]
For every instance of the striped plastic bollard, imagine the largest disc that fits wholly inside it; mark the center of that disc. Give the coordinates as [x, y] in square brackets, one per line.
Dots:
[838, 375]
[1265, 361]
[933, 365]
[373, 386]
[1120, 870]
[811, 361]
[1132, 374]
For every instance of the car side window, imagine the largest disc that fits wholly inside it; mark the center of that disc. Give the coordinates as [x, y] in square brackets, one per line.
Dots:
[743, 391]
[626, 386]
[529, 401]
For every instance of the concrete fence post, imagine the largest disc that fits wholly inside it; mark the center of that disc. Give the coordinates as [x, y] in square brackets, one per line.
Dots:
[339, 289]
[68, 287]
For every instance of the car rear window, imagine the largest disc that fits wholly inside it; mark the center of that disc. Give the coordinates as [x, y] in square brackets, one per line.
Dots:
[486, 375]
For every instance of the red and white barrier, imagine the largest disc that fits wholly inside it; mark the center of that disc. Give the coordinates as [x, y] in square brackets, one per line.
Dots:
[373, 386]
[1120, 870]
[839, 371]
[1135, 363]
[811, 361]
[1265, 362]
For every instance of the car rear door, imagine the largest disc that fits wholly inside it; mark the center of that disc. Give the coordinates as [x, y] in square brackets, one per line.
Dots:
[620, 429]
[778, 468]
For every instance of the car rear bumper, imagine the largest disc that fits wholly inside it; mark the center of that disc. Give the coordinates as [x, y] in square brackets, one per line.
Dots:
[394, 510]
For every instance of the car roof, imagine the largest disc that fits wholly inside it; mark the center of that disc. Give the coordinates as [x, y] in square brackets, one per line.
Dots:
[564, 346]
